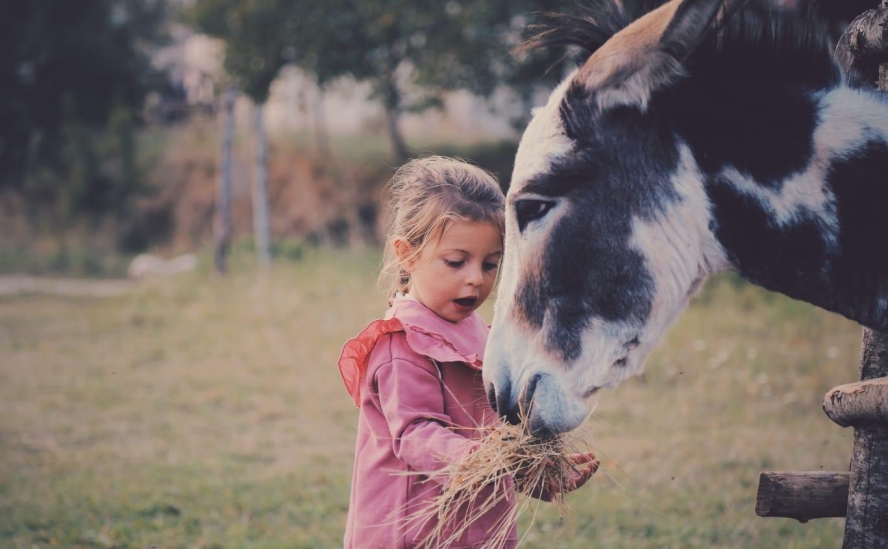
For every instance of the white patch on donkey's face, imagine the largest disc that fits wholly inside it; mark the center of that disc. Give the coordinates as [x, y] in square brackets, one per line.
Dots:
[543, 141]
[509, 360]
[680, 253]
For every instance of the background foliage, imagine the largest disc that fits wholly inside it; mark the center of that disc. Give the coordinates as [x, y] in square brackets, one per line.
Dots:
[75, 75]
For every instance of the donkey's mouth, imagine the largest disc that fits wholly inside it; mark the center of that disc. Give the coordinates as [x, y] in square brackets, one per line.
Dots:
[466, 302]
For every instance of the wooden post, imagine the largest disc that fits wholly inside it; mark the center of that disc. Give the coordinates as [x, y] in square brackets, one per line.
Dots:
[261, 231]
[883, 67]
[223, 192]
[853, 403]
[866, 525]
[861, 48]
[864, 46]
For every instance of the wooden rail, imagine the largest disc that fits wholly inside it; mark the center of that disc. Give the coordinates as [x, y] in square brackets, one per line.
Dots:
[802, 495]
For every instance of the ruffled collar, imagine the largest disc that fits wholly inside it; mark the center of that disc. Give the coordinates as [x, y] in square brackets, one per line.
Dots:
[427, 334]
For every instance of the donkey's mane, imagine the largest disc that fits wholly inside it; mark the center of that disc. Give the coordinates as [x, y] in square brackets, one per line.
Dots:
[589, 28]
[757, 41]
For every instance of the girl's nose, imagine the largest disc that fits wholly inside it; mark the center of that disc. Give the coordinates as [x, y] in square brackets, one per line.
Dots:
[474, 276]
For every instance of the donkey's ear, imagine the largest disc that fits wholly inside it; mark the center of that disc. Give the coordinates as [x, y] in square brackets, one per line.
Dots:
[648, 54]
[691, 23]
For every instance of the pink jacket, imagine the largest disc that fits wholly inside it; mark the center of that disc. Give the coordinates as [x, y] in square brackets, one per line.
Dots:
[417, 380]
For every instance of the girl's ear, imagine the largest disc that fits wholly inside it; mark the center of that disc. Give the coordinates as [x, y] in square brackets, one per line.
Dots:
[403, 251]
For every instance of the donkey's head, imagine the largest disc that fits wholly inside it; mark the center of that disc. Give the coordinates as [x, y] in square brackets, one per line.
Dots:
[607, 233]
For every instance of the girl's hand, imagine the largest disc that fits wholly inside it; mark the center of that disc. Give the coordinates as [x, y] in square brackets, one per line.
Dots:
[585, 465]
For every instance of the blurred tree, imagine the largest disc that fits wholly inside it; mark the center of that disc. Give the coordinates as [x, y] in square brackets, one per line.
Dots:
[72, 75]
[410, 51]
[256, 46]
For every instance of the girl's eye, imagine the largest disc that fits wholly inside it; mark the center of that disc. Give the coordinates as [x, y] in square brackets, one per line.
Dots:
[491, 266]
[454, 264]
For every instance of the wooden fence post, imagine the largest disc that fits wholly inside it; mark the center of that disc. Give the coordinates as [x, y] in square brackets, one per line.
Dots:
[222, 227]
[866, 522]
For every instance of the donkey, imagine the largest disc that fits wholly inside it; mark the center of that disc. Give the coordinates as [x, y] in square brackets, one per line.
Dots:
[695, 139]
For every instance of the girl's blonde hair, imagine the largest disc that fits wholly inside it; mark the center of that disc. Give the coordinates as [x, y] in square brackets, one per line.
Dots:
[424, 195]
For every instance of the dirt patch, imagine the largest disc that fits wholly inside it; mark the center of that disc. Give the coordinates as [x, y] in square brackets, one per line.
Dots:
[312, 200]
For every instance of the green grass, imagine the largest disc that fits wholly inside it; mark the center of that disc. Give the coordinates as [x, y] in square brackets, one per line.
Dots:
[77, 260]
[203, 412]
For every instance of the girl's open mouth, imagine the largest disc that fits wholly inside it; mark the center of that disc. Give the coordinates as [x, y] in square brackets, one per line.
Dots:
[466, 302]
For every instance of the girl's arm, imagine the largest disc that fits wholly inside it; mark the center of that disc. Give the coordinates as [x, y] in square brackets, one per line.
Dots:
[411, 399]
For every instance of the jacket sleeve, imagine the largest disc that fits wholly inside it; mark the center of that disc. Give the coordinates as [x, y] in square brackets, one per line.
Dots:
[411, 400]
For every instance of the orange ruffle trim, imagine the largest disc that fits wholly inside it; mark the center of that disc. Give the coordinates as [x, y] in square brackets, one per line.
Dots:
[356, 354]
[353, 361]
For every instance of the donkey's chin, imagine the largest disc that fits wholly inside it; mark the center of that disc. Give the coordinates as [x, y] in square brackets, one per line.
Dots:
[555, 410]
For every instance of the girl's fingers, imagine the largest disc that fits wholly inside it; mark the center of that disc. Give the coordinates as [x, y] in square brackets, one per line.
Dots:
[579, 459]
[594, 465]
[583, 474]
[589, 469]
[586, 466]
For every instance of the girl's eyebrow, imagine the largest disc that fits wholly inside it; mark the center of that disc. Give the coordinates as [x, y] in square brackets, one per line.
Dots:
[457, 250]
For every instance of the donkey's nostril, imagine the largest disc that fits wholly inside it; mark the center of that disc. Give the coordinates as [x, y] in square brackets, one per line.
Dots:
[541, 430]
[527, 396]
[517, 411]
[512, 417]
[500, 398]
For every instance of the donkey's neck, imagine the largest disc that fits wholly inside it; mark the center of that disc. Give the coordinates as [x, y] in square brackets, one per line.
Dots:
[817, 233]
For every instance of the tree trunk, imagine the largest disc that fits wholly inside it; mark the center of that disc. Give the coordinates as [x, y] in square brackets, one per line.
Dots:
[223, 194]
[396, 139]
[391, 100]
[261, 233]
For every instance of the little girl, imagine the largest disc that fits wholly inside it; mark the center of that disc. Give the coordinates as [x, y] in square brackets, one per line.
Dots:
[416, 374]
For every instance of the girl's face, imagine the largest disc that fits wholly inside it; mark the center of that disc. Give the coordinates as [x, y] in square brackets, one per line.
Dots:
[455, 273]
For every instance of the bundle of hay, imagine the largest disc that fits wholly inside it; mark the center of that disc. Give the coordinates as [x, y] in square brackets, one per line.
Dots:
[540, 467]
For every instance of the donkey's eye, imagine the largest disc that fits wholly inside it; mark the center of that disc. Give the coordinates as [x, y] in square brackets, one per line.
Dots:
[529, 210]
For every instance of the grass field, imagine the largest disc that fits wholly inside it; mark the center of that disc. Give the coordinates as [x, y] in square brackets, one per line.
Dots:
[208, 413]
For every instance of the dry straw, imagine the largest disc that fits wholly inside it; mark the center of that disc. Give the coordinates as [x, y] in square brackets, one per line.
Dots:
[477, 483]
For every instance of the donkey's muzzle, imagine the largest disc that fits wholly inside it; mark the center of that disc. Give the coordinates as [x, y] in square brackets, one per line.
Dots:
[541, 404]
[516, 406]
